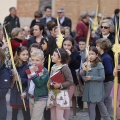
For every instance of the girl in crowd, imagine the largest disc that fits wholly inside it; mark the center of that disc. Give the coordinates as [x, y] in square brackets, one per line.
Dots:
[93, 76]
[60, 58]
[5, 78]
[17, 39]
[21, 62]
[69, 46]
[48, 45]
[38, 33]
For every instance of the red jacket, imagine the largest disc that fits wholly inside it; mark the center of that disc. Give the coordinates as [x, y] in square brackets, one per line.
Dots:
[81, 30]
[16, 43]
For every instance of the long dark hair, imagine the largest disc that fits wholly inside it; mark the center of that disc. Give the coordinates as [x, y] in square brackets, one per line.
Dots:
[51, 44]
[20, 49]
[2, 56]
[71, 39]
[94, 49]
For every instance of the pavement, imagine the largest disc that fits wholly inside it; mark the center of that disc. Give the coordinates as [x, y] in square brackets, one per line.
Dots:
[80, 114]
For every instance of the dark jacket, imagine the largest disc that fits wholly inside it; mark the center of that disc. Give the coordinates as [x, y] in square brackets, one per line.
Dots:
[34, 22]
[16, 43]
[15, 99]
[5, 79]
[74, 64]
[11, 23]
[67, 23]
[108, 67]
[43, 20]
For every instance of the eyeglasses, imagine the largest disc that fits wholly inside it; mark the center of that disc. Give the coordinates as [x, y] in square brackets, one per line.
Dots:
[105, 27]
[60, 12]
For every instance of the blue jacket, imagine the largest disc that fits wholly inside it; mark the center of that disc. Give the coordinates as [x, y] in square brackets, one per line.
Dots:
[15, 99]
[5, 79]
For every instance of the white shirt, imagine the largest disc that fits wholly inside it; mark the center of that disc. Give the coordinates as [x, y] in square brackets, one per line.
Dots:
[62, 20]
[106, 36]
[48, 19]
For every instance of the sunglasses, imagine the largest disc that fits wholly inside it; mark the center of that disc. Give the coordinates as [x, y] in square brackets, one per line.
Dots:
[105, 27]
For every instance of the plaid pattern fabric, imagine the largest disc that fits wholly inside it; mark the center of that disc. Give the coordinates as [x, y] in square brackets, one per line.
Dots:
[39, 71]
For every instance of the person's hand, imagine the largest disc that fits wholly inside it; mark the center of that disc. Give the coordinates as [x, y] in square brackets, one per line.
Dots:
[5, 46]
[87, 78]
[69, 52]
[115, 72]
[32, 69]
[56, 85]
[23, 95]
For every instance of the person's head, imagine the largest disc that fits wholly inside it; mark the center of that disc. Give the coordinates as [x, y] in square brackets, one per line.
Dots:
[61, 12]
[103, 45]
[69, 44]
[27, 30]
[13, 11]
[85, 17]
[117, 11]
[107, 26]
[92, 14]
[82, 44]
[38, 30]
[38, 15]
[37, 57]
[2, 56]
[67, 31]
[100, 17]
[1, 33]
[94, 55]
[21, 55]
[48, 45]
[17, 33]
[60, 56]
[48, 11]
[33, 47]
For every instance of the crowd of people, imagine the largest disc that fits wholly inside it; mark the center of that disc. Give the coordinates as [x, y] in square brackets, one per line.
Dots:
[53, 78]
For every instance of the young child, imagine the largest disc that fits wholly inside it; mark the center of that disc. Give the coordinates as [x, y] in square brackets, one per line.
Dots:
[33, 47]
[116, 72]
[70, 47]
[5, 78]
[40, 93]
[93, 92]
[21, 62]
[103, 45]
[58, 99]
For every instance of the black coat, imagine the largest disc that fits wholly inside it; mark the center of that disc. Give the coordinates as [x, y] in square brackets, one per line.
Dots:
[15, 97]
[67, 23]
[34, 22]
[74, 64]
[43, 20]
[11, 23]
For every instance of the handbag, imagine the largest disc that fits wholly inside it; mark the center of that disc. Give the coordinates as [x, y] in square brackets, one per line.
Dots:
[79, 88]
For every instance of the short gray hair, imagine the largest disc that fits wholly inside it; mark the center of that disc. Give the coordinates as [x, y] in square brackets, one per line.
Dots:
[84, 15]
[110, 23]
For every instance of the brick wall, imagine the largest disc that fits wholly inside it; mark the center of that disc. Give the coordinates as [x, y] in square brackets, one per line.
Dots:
[73, 8]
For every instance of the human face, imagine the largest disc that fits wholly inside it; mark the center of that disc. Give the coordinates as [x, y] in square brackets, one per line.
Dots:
[55, 58]
[92, 55]
[13, 12]
[44, 45]
[24, 56]
[48, 12]
[33, 48]
[36, 31]
[105, 31]
[60, 14]
[67, 32]
[99, 49]
[82, 45]
[67, 45]
[20, 35]
[27, 30]
[36, 60]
